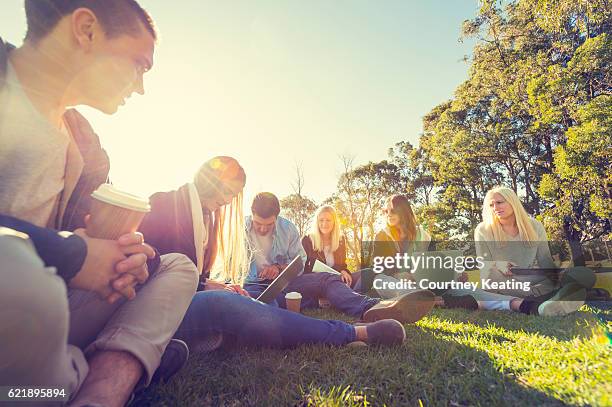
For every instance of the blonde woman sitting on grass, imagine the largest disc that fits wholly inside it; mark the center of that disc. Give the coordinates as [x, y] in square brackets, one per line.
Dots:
[326, 243]
[515, 250]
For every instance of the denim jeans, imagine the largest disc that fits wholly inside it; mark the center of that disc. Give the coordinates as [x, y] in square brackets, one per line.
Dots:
[252, 323]
[313, 286]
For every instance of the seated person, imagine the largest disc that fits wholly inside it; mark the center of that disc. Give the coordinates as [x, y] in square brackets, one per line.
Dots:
[508, 235]
[402, 234]
[204, 220]
[326, 242]
[83, 314]
[275, 241]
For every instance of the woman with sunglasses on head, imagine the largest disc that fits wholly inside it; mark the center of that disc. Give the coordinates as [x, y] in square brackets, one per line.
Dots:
[402, 234]
[204, 220]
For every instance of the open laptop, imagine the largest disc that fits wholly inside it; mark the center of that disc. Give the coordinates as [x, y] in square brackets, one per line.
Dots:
[282, 281]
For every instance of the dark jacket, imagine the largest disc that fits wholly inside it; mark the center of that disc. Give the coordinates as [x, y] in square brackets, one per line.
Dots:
[170, 226]
[312, 255]
[68, 254]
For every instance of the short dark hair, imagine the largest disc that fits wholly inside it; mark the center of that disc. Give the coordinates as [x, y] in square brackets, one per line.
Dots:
[265, 204]
[116, 16]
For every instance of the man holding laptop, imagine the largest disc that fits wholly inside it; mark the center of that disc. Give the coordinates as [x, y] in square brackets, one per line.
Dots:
[275, 242]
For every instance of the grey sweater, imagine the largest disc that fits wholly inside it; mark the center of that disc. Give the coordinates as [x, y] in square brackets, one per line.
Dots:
[523, 254]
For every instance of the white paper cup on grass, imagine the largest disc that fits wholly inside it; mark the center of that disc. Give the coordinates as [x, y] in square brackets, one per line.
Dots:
[294, 301]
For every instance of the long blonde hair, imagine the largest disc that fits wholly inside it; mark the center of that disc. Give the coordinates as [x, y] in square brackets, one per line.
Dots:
[524, 223]
[315, 234]
[227, 235]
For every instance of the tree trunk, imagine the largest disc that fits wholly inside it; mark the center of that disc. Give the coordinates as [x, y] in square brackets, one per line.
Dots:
[573, 237]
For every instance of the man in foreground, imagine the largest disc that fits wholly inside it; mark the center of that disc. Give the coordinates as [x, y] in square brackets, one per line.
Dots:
[64, 318]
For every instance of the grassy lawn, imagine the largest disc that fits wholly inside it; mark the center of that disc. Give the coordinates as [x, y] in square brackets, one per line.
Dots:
[450, 358]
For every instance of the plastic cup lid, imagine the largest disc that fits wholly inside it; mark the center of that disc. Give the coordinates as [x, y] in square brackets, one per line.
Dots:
[111, 195]
[293, 296]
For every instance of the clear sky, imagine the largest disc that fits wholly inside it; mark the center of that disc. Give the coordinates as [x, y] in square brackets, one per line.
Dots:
[275, 82]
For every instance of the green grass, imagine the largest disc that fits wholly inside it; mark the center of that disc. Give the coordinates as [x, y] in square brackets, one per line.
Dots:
[450, 358]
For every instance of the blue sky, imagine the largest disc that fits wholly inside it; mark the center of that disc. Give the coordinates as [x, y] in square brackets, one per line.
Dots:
[275, 82]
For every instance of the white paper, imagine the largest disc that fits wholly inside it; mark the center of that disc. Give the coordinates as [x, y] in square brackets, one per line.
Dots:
[320, 267]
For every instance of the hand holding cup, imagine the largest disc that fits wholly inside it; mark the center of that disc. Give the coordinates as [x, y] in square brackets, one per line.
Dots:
[98, 269]
[116, 215]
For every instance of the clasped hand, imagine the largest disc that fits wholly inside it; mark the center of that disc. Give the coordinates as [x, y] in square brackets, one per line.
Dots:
[113, 268]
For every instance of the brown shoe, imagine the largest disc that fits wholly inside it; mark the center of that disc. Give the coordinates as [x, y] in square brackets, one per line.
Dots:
[406, 308]
[386, 332]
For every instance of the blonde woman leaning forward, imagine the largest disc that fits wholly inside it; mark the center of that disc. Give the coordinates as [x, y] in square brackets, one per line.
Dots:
[401, 235]
[205, 221]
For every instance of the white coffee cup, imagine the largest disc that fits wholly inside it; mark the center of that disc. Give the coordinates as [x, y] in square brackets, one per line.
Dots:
[293, 300]
[115, 213]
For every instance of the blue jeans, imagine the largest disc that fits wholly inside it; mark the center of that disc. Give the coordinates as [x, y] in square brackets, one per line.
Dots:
[252, 323]
[313, 286]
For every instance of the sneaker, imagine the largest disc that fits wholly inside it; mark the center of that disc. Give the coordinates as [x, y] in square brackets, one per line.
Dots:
[567, 300]
[173, 359]
[385, 332]
[406, 308]
[460, 301]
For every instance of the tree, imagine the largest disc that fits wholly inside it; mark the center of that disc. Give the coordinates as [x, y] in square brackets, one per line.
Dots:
[297, 207]
[580, 188]
[358, 202]
[531, 105]
[414, 171]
